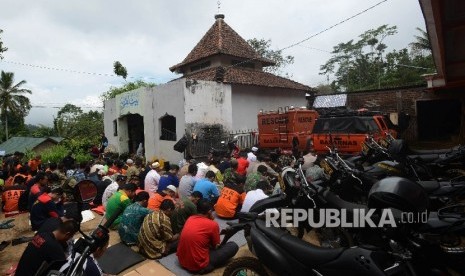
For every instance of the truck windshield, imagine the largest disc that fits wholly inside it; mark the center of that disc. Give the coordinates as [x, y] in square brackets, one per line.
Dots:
[381, 122]
[356, 125]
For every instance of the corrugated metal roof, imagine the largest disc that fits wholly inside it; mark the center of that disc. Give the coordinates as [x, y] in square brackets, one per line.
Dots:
[22, 144]
[57, 139]
[330, 101]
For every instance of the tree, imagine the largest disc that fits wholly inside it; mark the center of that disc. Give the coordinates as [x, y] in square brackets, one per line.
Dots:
[324, 89]
[358, 65]
[16, 126]
[12, 99]
[120, 70]
[81, 129]
[421, 43]
[114, 91]
[39, 131]
[65, 119]
[263, 48]
[365, 64]
[2, 49]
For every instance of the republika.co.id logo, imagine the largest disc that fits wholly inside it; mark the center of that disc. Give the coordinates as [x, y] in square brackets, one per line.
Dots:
[356, 218]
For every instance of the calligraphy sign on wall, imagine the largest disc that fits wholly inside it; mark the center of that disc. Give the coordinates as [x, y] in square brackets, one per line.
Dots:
[129, 102]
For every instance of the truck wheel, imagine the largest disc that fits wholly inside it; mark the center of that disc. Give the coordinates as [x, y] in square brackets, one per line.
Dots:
[244, 266]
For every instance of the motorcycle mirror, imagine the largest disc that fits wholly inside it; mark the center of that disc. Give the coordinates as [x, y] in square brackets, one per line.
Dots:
[85, 191]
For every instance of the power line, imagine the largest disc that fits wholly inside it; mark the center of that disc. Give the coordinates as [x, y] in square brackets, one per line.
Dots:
[79, 72]
[59, 69]
[61, 106]
[411, 66]
[335, 25]
[314, 35]
[312, 48]
[236, 64]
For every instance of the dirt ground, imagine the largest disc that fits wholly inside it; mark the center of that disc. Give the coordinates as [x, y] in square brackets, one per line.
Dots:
[11, 254]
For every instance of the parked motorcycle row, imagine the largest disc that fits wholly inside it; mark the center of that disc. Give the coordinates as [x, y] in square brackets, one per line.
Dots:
[423, 190]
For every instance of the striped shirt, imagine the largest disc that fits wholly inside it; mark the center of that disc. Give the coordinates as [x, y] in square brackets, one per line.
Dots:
[154, 235]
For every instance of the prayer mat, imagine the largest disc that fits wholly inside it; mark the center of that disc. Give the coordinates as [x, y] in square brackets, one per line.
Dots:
[171, 261]
[118, 258]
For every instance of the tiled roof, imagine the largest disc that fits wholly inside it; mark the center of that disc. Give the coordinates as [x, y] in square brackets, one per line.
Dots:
[241, 75]
[221, 39]
[22, 144]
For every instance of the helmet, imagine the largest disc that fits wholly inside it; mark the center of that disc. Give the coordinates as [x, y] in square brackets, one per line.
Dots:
[292, 182]
[398, 193]
[288, 175]
[398, 147]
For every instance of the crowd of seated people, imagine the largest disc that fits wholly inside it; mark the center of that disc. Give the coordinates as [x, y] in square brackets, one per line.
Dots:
[161, 208]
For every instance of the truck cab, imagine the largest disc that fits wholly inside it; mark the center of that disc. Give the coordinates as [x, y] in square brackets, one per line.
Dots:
[347, 132]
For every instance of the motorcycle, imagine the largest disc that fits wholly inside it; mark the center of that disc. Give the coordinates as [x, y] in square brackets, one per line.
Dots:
[281, 253]
[354, 184]
[230, 149]
[85, 192]
[421, 236]
[419, 165]
[435, 164]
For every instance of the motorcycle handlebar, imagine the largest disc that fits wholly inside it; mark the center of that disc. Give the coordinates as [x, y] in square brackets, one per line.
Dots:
[112, 219]
[90, 243]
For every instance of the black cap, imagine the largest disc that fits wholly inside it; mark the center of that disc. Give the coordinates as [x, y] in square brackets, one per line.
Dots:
[129, 187]
[121, 177]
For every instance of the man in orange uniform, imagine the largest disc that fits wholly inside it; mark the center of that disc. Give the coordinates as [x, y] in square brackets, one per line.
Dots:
[10, 196]
[156, 200]
[231, 199]
[34, 164]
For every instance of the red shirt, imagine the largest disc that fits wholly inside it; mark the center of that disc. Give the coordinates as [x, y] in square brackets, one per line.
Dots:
[242, 166]
[197, 236]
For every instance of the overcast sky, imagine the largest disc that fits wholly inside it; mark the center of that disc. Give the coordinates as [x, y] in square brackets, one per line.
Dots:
[149, 36]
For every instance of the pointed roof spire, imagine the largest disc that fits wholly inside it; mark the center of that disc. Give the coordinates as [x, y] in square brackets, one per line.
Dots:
[221, 39]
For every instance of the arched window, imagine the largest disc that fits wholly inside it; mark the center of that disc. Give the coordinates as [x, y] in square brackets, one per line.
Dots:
[168, 128]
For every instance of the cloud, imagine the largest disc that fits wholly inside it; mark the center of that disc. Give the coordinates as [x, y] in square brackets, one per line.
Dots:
[148, 37]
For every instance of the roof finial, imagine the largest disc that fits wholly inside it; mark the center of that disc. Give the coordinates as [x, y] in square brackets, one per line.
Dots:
[219, 15]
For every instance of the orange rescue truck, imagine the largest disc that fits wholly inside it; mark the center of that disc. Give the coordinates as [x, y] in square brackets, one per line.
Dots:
[286, 127]
[305, 129]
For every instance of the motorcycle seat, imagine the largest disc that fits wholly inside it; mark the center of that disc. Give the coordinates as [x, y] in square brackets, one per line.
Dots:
[435, 151]
[350, 163]
[339, 203]
[425, 157]
[430, 185]
[302, 251]
[438, 225]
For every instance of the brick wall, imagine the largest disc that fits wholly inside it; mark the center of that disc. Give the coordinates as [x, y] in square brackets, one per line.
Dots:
[403, 100]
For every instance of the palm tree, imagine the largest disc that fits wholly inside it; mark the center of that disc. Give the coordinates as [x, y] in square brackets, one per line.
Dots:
[12, 98]
[422, 42]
